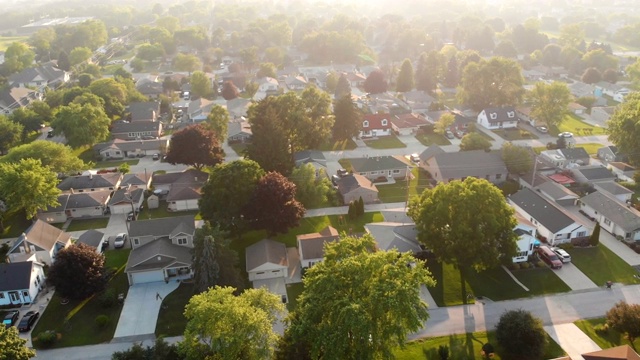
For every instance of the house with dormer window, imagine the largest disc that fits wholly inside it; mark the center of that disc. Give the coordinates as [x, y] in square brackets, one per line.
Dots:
[498, 118]
[161, 249]
[40, 243]
[374, 125]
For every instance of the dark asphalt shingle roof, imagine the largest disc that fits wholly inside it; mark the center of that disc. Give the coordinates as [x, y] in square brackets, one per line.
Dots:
[141, 111]
[88, 199]
[89, 181]
[91, 237]
[541, 210]
[376, 163]
[592, 173]
[575, 153]
[161, 227]
[145, 257]
[627, 218]
[121, 195]
[354, 181]
[15, 276]
[265, 251]
[479, 163]
[135, 126]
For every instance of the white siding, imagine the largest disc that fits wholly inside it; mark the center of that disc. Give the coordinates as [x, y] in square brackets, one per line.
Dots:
[146, 277]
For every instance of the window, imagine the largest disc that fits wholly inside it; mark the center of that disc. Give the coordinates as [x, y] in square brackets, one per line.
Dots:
[493, 116]
[13, 296]
[396, 171]
[522, 253]
[365, 123]
[582, 233]
[627, 235]
[1, 295]
[607, 221]
[384, 122]
[182, 241]
[498, 176]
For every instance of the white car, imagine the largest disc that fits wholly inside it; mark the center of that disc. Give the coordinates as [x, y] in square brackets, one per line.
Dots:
[542, 129]
[565, 134]
[119, 240]
[415, 158]
[564, 256]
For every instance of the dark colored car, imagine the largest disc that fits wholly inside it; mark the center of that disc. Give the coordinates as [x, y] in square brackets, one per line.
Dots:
[28, 320]
[105, 244]
[50, 134]
[549, 257]
[342, 172]
[11, 318]
[335, 179]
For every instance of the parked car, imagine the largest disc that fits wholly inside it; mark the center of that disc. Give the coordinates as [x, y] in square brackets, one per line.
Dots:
[10, 318]
[105, 244]
[459, 134]
[119, 240]
[449, 134]
[156, 157]
[342, 173]
[50, 134]
[565, 134]
[415, 158]
[542, 129]
[549, 257]
[564, 256]
[28, 320]
[335, 179]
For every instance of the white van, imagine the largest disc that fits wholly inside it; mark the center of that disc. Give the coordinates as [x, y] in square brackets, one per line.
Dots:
[186, 95]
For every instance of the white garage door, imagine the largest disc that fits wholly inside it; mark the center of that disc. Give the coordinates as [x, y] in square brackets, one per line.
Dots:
[120, 209]
[146, 277]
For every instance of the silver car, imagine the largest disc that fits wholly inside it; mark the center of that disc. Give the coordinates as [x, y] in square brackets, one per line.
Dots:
[119, 240]
[564, 256]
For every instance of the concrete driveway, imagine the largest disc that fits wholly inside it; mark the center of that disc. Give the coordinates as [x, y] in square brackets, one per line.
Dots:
[572, 340]
[575, 278]
[140, 311]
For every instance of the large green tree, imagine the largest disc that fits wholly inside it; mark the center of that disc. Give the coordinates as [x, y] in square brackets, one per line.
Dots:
[346, 310]
[449, 224]
[549, 102]
[405, 81]
[216, 262]
[218, 121]
[113, 93]
[59, 158]
[348, 119]
[624, 128]
[224, 326]
[313, 188]
[343, 87]
[79, 55]
[29, 186]
[78, 272]
[13, 347]
[81, 124]
[520, 335]
[187, 62]
[195, 146]
[223, 199]
[29, 120]
[201, 85]
[625, 318]
[17, 57]
[429, 71]
[518, 159]
[474, 141]
[495, 82]
[10, 134]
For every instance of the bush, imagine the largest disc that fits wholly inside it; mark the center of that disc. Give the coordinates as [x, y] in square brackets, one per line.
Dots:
[525, 265]
[47, 338]
[566, 246]
[601, 329]
[102, 321]
[108, 299]
[514, 266]
[540, 263]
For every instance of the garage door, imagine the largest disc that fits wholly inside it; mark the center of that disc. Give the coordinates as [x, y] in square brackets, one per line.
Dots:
[146, 277]
[120, 209]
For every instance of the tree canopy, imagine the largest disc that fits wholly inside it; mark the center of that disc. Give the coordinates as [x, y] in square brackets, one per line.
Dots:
[231, 327]
[348, 119]
[29, 186]
[218, 121]
[375, 83]
[313, 188]
[13, 346]
[521, 336]
[474, 141]
[405, 81]
[624, 128]
[201, 85]
[10, 134]
[229, 90]
[196, 146]
[518, 159]
[81, 124]
[78, 272]
[549, 102]
[17, 57]
[59, 158]
[214, 263]
[496, 82]
[342, 312]
[625, 318]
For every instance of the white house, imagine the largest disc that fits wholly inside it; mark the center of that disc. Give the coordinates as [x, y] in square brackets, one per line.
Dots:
[125, 200]
[498, 118]
[526, 231]
[618, 218]
[183, 188]
[20, 282]
[552, 223]
[90, 182]
[40, 243]
[374, 125]
[266, 86]
[268, 266]
[311, 246]
[616, 190]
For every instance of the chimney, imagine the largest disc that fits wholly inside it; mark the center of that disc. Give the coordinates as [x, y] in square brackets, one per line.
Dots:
[71, 190]
[90, 176]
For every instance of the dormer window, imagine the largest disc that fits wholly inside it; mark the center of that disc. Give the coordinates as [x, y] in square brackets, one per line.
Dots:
[384, 122]
[493, 116]
[182, 241]
[365, 123]
[511, 114]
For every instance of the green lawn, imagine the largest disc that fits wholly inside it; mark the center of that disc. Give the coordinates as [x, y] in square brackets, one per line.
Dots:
[81, 328]
[88, 224]
[346, 164]
[5, 41]
[85, 153]
[171, 320]
[574, 124]
[239, 148]
[385, 142]
[432, 139]
[15, 223]
[293, 291]
[463, 346]
[590, 148]
[601, 265]
[494, 284]
[338, 145]
[115, 163]
[515, 134]
[162, 212]
[398, 192]
[611, 339]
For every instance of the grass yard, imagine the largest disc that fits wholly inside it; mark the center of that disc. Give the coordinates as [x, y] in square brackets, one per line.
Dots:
[515, 134]
[432, 139]
[81, 328]
[5, 41]
[398, 192]
[293, 291]
[239, 148]
[601, 265]
[385, 142]
[88, 224]
[85, 153]
[15, 223]
[346, 164]
[574, 124]
[162, 212]
[338, 145]
[541, 281]
[171, 320]
[462, 346]
[590, 148]
[115, 163]
[606, 340]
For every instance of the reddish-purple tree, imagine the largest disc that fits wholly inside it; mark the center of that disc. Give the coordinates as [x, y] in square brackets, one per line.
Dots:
[375, 82]
[196, 146]
[229, 90]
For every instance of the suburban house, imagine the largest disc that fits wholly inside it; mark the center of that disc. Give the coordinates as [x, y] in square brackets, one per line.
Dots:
[376, 125]
[622, 352]
[623, 171]
[577, 109]
[20, 282]
[558, 193]
[610, 153]
[199, 109]
[238, 107]
[601, 114]
[183, 188]
[266, 86]
[161, 249]
[592, 174]
[295, 83]
[580, 89]
[268, 266]
[126, 200]
[15, 98]
[526, 231]
[311, 246]
[389, 236]
[524, 114]
[139, 181]
[313, 157]
[552, 223]
[620, 219]
[239, 132]
[498, 118]
[150, 89]
[120, 149]
[55, 214]
[39, 243]
[566, 158]
[616, 190]
[136, 130]
[418, 100]
[91, 182]
[144, 111]
[86, 204]
[355, 186]
[374, 168]
[93, 238]
[46, 75]
[407, 124]
[615, 91]
[449, 166]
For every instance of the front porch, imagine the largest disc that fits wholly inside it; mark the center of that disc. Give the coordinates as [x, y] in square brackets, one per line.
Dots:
[178, 273]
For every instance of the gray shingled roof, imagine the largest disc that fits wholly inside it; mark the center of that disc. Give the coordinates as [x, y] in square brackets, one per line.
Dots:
[595, 172]
[47, 72]
[575, 153]
[43, 235]
[266, 251]
[613, 188]
[121, 195]
[89, 181]
[354, 181]
[307, 156]
[312, 245]
[541, 210]
[376, 163]
[456, 165]
[140, 144]
[134, 126]
[502, 114]
[608, 206]
[188, 177]
[184, 192]
[161, 227]
[556, 191]
[145, 257]
[62, 199]
[430, 152]
[144, 111]
[15, 276]
[135, 179]
[88, 199]
[91, 238]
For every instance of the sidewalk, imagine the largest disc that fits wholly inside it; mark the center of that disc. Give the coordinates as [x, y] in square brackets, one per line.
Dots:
[572, 340]
[575, 278]
[343, 210]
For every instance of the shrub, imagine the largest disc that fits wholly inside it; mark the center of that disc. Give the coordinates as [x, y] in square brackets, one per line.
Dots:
[47, 338]
[102, 321]
[525, 265]
[514, 266]
[566, 246]
[540, 263]
[601, 329]
[108, 299]
[525, 134]
[443, 352]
